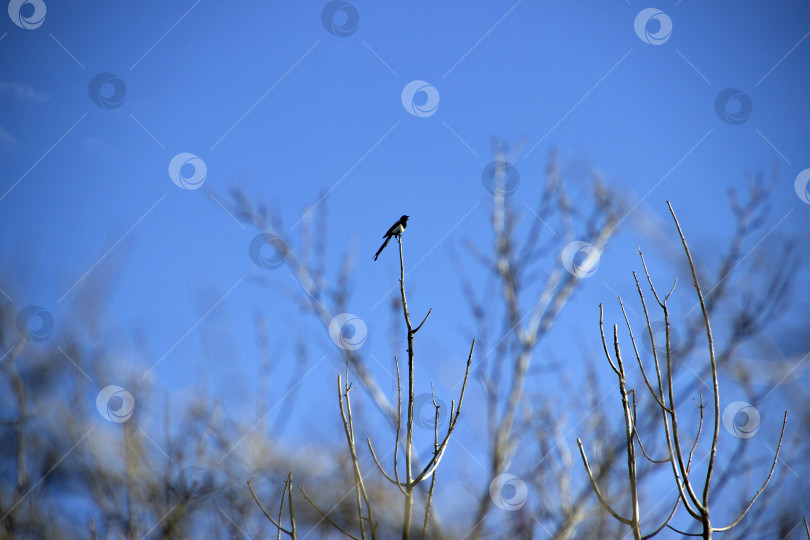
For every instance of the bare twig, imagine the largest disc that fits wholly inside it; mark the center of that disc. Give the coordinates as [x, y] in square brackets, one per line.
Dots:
[325, 515]
[764, 485]
[273, 521]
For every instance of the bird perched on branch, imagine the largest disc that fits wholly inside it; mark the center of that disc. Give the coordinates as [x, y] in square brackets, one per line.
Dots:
[395, 230]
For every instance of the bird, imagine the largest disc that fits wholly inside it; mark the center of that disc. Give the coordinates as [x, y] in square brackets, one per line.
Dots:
[395, 230]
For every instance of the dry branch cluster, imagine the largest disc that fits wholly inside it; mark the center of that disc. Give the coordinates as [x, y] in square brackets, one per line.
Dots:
[183, 474]
[695, 502]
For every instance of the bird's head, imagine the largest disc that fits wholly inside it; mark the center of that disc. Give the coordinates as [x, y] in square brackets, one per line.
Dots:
[404, 219]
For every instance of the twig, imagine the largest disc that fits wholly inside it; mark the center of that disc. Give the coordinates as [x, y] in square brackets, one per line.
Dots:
[596, 487]
[273, 521]
[325, 516]
[764, 485]
[712, 359]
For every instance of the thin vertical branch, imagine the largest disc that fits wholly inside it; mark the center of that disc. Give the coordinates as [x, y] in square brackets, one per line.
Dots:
[360, 488]
[409, 485]
[293, 532]
[629, 425]
[266, 513]
[712, 359]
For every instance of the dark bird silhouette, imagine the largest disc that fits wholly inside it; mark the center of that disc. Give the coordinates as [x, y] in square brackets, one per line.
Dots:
[395, 230]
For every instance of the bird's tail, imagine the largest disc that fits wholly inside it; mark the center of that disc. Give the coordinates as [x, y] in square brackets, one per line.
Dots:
[382, 247]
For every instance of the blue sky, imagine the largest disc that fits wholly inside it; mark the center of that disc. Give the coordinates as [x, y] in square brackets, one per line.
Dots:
[272, 101]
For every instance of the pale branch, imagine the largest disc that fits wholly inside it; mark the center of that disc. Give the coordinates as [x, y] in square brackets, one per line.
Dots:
[666, 412]
[712, 359]
[638, 358]
[701, 405]
[604, 341]
[399, 427]
[433, 477]
[281, 504]
[666, 521]
[293, 531]
[451, 424]
[596, 487]
[638, 436]
[380, 468]
[360, 488]
[764, 485]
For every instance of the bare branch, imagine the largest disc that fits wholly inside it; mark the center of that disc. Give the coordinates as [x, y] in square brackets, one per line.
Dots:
[604, 341]
[596, 487]
[712, 359]
[273, 521]
[683, 533]
[380, 468]
[701, 405]
[666, 521]
[415, 330]
[325, 515]
[638, 437]
[764, 485]
[638, 358]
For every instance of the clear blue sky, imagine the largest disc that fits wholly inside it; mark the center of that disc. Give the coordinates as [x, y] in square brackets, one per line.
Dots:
[272, 101]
